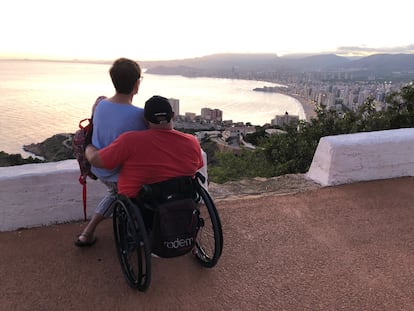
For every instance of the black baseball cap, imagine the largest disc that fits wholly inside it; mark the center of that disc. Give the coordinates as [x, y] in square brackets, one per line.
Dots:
[158, 110]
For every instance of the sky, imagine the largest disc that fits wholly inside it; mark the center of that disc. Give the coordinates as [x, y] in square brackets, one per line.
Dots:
[178, 29]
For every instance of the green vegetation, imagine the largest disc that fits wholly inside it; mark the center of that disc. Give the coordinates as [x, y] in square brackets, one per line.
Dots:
[293, 151]
[16, 159]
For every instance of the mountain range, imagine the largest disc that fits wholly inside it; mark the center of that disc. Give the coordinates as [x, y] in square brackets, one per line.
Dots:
[380, 65]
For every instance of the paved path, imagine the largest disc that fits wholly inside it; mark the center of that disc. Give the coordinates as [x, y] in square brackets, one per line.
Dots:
[347, 247]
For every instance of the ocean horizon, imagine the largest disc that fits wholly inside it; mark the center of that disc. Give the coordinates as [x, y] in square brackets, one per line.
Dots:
[40, 98]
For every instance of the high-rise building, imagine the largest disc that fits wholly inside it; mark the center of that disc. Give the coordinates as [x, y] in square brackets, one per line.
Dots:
[190, 116]
[284, 119]
[212, 115]
[206, 113]
[175, 105]
[217, 115]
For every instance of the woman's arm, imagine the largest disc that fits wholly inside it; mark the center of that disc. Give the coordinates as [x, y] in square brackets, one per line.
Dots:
[92, 154]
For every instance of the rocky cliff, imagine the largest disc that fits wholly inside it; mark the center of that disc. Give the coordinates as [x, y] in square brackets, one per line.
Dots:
[56, 148]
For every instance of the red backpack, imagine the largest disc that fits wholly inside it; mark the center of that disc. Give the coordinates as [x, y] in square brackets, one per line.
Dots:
[81, 139]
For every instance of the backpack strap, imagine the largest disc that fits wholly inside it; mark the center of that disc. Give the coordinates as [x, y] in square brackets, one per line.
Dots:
[88, 128]
[82, 181]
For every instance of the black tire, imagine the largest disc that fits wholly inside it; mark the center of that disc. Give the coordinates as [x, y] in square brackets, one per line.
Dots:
[131, 242]
[209, 241]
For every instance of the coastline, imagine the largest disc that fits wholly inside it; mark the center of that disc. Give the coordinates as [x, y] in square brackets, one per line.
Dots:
[307, 105]
[52, 144]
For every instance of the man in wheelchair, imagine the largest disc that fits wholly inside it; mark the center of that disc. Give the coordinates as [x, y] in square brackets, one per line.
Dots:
[158, 169]
[150, 156]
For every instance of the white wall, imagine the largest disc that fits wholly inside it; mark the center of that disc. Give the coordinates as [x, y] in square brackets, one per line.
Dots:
[357, 157]
[42, 194]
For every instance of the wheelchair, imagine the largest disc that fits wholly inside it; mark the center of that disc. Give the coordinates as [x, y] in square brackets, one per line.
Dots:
[134, 227]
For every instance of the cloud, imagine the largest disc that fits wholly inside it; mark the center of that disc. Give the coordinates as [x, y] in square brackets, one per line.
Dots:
[364, 51]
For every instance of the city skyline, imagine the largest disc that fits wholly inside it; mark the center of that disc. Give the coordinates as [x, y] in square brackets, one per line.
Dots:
[165, 30]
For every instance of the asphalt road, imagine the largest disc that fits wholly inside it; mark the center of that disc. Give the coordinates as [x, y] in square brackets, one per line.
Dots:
[348, 247]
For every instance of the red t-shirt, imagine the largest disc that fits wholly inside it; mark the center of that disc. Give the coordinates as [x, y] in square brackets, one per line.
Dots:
[151, 156]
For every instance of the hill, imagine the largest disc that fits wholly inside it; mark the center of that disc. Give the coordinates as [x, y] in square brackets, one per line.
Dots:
[241, 65]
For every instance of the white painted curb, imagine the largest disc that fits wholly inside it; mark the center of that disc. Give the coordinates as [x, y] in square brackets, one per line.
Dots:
[34, 195]
[366, 156]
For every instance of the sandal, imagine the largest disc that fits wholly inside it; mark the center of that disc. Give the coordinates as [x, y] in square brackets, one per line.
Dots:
[87, 242]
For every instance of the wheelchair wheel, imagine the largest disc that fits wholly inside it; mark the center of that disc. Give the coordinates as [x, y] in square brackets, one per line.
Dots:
[132, 244]
[209, 242]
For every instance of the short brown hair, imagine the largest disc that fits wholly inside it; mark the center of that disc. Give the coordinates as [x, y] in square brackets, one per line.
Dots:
[124, 74]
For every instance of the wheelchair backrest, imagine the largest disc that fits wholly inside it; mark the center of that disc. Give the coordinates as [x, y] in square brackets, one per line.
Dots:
[175, 221]
[171, 189]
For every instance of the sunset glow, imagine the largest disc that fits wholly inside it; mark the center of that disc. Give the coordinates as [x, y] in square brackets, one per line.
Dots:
[155, 30]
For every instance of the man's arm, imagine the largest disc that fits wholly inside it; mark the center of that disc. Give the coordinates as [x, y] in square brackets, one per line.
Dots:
[92, 154]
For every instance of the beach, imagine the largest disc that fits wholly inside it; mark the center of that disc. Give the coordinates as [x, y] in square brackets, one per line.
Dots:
[308, 106]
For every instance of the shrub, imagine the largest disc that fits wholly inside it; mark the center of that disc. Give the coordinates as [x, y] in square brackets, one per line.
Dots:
[293, 152]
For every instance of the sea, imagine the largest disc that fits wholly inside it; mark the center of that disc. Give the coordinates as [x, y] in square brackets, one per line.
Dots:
[41, 98]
